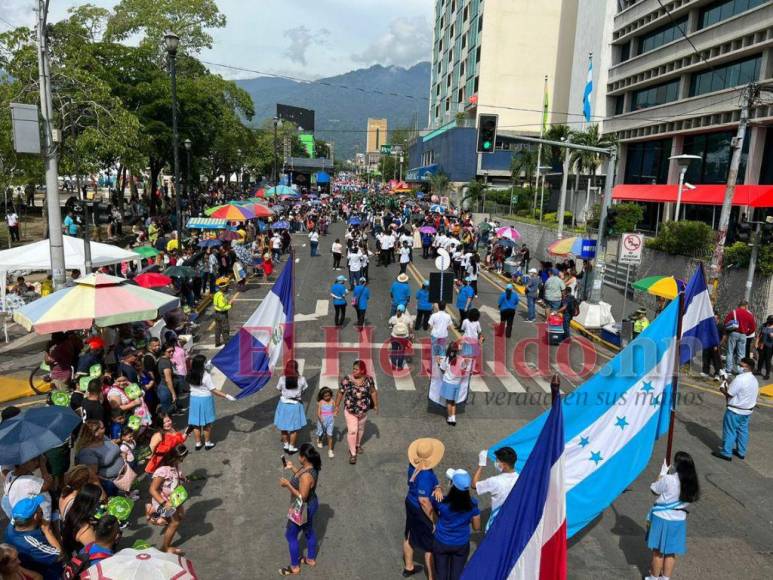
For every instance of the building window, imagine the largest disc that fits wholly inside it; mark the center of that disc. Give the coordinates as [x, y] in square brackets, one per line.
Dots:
[464, 41]
[657, 95]
[724, 9]
[466, 13]
[726, 76]
[716, 151]
[477, 55]
[647, 162]
[625, 52]
[619, 105]
[460, 97]
[662, 35]
[476, 85]
[480, 23]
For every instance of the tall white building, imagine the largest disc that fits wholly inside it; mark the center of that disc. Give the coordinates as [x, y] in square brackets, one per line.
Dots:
[492, 56]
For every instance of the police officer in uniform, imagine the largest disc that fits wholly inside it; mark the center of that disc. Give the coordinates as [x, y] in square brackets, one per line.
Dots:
[222, 305]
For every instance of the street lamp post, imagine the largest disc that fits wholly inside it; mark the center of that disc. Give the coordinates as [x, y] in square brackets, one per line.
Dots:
[485, 187]
[239, 169]
[683, 161]
[188, 189]
[172, 42]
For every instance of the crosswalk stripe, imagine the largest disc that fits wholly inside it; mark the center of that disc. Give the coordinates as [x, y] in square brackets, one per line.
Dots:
[478, 385]
[404, 381]
[510, 382]
[541, 382]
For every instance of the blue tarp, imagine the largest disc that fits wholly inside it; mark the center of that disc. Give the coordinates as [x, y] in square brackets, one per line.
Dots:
[322, 177]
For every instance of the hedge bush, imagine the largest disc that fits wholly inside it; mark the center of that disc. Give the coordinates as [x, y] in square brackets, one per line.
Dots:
[552, 217]
[684, 238]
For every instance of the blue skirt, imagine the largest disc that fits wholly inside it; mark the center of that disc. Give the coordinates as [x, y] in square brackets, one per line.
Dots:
[450, 391]
[201, 411]
[667, 536]
[289, 416]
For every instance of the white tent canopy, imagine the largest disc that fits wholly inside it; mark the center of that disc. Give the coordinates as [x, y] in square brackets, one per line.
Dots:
[37, 256]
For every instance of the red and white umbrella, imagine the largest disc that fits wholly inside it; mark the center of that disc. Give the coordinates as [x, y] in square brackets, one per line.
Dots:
[148, 564]
[508, 233]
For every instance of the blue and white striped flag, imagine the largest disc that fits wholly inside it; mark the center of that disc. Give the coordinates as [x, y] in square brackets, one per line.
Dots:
[611, 422]
[699, 330]
[586, 108]
[251, 355]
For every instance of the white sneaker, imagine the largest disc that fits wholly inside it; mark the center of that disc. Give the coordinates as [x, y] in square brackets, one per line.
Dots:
[319, 443]
[330, 453]
[286, 446]
[704, 375]
[291, 449]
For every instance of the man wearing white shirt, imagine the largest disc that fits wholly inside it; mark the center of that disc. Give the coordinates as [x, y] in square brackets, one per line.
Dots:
[439, 322]
[354, 260]
[405, 257]
[12, 219]
[501, 484]
[314, 242]
[276, 248]
[741, 397]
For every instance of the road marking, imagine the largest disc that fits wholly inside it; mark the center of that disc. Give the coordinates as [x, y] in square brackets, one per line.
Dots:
[247, 300]
[537, 378]
[492, 313]
[478, 385]
[404, 380]
[320, 310]
[510, 382]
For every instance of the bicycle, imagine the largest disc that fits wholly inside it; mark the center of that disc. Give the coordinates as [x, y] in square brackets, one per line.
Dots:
[40, 378]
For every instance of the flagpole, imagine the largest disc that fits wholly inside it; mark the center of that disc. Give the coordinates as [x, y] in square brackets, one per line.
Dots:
[675, 379]
[539, 148]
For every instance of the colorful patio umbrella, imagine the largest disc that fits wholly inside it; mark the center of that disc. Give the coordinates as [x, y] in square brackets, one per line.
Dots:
[146, 251]
[666, 287]
[258, 209]
[260, 193]
[508, 233]
[96, 299]
[234, 212]
[566, 246]
[152, 280]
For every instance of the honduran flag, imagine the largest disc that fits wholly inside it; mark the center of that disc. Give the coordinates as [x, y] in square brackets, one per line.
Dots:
[250, 356]
[699, 330]
[527, 540]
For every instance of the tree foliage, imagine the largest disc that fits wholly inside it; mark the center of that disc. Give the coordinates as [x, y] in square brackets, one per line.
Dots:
[684, 238]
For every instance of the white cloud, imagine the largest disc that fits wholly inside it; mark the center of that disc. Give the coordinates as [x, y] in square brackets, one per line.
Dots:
[406, 42]
[301, 39]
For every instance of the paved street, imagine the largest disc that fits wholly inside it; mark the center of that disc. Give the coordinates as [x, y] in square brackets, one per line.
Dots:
[237, 513]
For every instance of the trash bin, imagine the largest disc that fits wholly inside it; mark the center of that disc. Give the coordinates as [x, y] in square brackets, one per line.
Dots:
[512, 266]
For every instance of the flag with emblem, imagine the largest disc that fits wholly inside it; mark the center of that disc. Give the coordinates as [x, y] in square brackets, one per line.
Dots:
[250, 356]
[612, 421]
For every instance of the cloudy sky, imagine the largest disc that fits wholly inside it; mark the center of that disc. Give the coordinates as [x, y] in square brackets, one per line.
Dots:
[303, 38]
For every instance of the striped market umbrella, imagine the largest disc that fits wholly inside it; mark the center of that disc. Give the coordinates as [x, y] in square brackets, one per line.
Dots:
[96, 299]
[234, 212]
[508, 233]
[566, 246]
[666, 287]
[258, 209]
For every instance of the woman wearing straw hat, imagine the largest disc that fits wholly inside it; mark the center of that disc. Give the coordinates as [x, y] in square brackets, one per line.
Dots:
[423, 455]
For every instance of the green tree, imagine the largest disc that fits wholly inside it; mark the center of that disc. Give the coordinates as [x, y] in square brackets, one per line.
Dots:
[587, 162]
[151, 19]
[552, 154]
[524, 164]
[439, 183]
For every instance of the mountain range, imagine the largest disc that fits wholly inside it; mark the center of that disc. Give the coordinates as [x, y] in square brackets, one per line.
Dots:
[343, 103]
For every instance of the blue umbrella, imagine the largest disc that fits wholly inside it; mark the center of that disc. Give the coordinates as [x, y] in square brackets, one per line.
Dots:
[355, 221]
[210, 243]
[281, 225]
[34, 432]
[437, 208]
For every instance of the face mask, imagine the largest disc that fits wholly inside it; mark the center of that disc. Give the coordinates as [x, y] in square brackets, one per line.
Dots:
[498, 466]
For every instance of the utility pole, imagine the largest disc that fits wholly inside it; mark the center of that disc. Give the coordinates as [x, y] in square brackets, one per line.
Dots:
[562, 198]
[50, 152]
[597, 274]
[749, 94]
[756, 241]
[539, 153]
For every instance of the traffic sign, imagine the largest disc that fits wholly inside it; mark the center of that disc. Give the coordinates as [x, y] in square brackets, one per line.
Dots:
[386, 149]
[630, 249]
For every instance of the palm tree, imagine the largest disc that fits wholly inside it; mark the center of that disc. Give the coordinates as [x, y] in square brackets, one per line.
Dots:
[439, 182]
[474, 193]
[524, 163]
[588, 161]
[552, 155]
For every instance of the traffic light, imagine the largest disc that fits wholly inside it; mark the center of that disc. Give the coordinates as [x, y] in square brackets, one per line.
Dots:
[611, 222]
[487, 133]
[767, 233]
[743, 232]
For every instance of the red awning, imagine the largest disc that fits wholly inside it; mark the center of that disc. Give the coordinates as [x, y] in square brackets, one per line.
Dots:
[751, 195]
